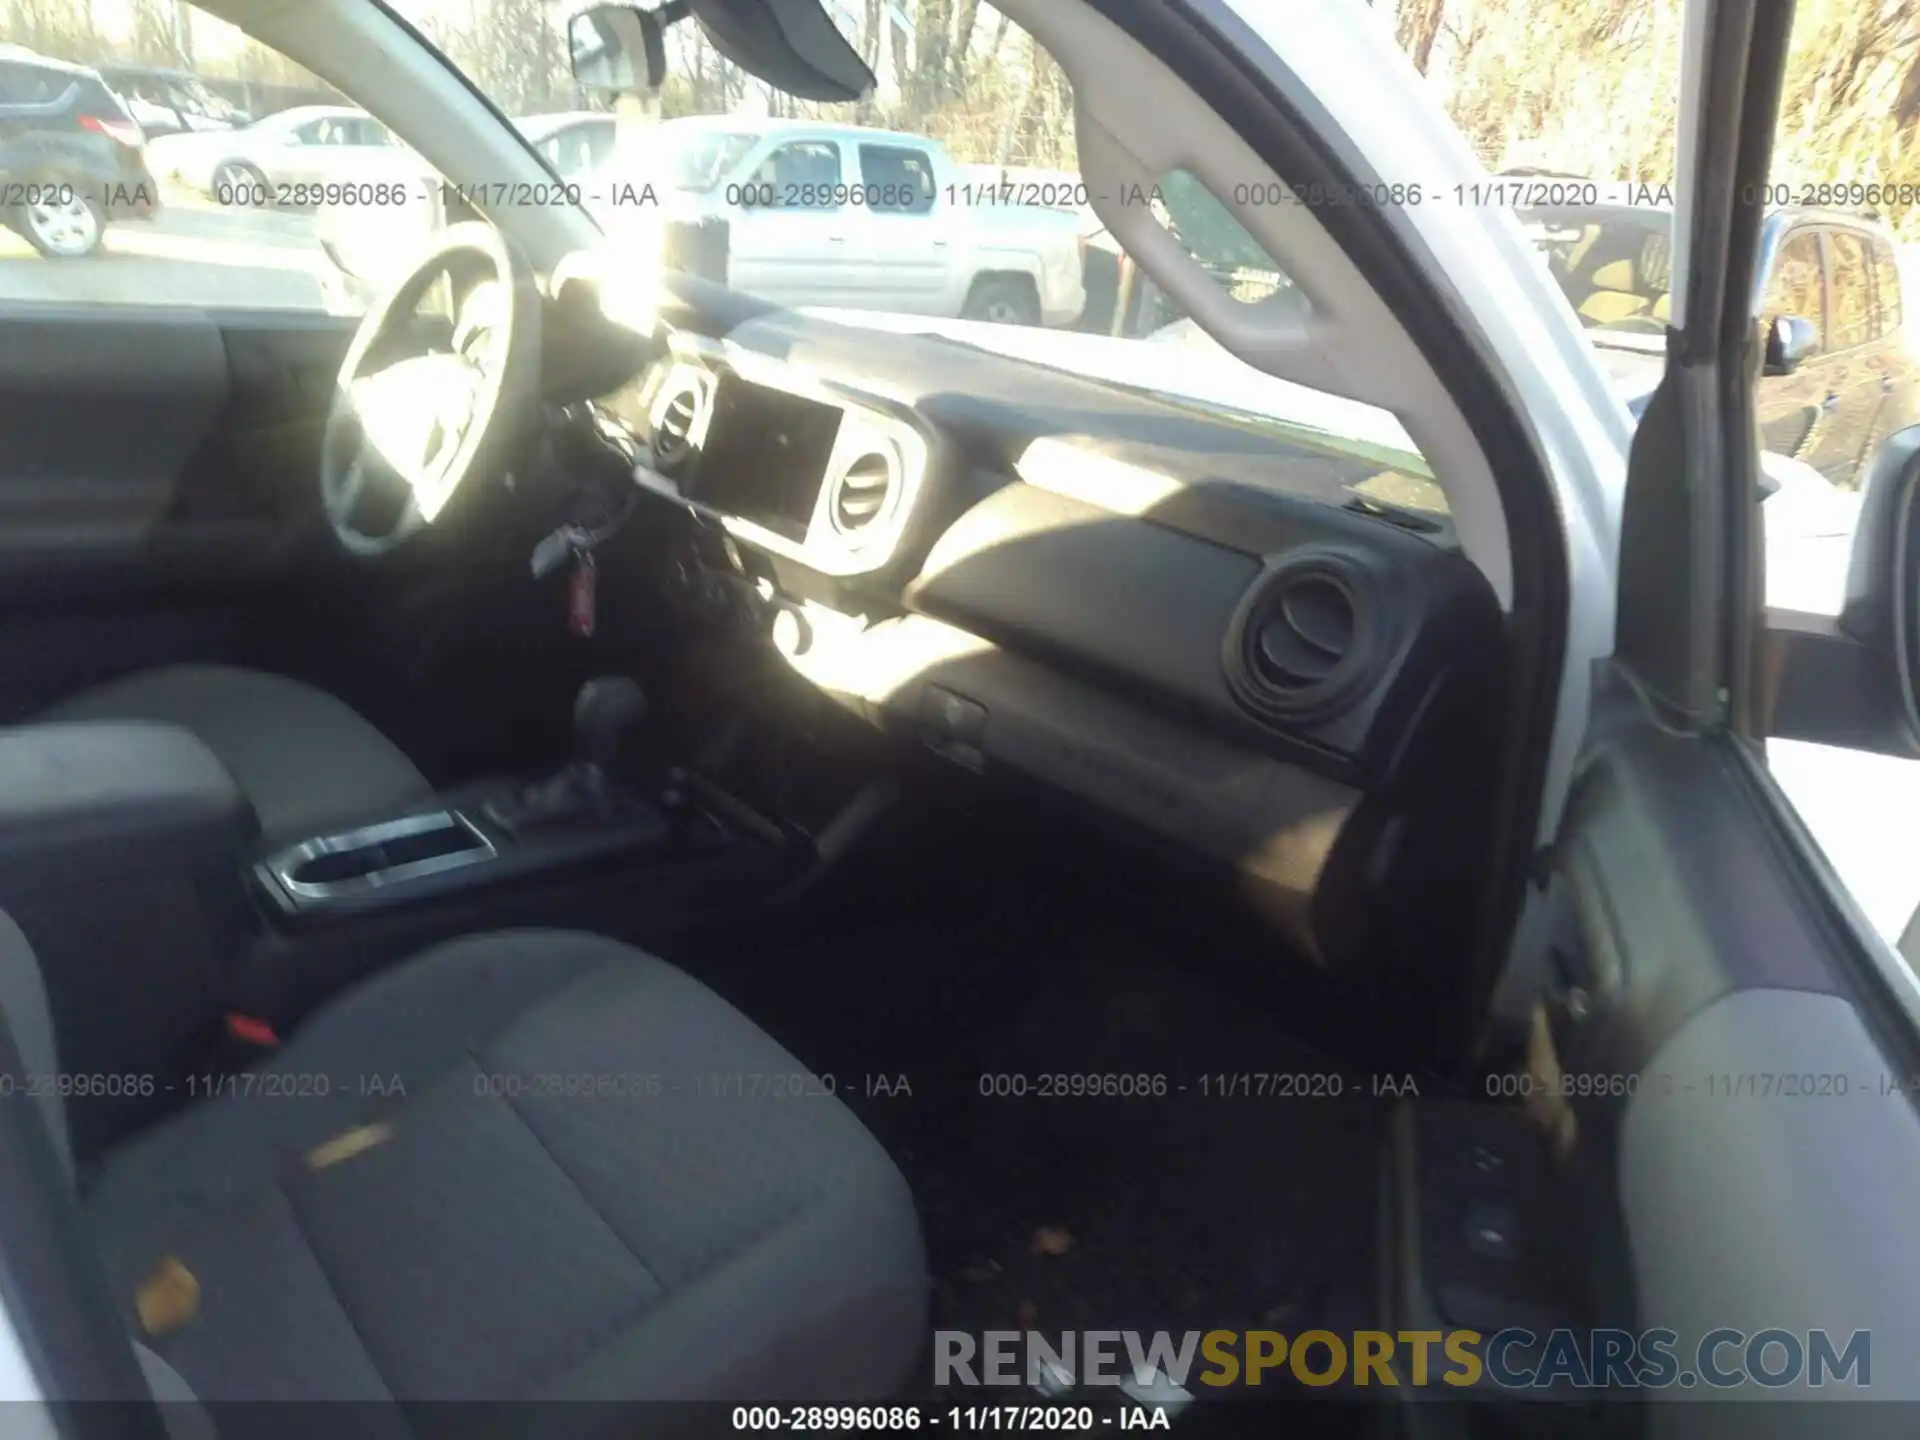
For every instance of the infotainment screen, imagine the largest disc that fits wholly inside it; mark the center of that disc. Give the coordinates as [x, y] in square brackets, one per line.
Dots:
[765, 455]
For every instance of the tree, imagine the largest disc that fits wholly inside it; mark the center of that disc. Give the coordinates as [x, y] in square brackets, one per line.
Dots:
[158, 37]
[1591, 87]
[1416, 28]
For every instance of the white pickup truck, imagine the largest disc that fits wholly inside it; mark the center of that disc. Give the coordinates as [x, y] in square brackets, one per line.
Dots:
[819, 216]
[841, 216]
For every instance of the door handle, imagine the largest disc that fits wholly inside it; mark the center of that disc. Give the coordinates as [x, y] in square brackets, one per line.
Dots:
[1831, 402]
[939, 244]
[1886, 384]
[836, 239]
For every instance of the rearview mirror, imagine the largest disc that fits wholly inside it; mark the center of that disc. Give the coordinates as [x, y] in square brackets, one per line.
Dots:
[790, 44]
[618, 50]
[1791, 340]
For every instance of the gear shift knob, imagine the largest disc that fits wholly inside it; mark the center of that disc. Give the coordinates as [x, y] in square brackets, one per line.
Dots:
[605, 711]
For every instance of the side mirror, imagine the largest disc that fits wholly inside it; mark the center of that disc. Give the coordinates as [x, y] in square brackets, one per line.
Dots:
[1853, 680]
[1883, 574]
[1883, 580]
[1791, 341]
[619, 50]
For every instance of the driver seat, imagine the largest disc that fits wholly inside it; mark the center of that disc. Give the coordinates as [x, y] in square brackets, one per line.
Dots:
[304, 759]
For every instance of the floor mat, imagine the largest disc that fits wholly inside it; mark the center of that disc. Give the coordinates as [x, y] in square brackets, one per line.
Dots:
[1229, 1184]
[1229, 1180]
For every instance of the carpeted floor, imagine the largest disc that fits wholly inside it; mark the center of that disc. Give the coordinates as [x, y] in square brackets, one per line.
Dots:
[1187, 1210]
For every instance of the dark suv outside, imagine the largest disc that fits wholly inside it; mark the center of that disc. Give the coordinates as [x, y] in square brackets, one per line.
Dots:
[1841, 371]
[71, 157]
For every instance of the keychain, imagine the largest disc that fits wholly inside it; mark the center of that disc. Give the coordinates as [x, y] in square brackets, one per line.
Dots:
[583, 585]
[581, 597]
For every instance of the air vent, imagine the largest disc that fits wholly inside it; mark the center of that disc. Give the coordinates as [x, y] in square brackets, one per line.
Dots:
[1302, 645]
[1305, 633]
[675, 415]
[862, 493]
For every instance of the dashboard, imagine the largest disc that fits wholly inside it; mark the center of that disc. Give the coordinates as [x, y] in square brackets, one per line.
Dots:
[1195, 630]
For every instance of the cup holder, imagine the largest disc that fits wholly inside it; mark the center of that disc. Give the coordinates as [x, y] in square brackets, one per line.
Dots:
[379, 855]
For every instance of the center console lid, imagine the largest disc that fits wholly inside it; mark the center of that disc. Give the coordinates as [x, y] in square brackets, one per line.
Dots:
[120, 849]
[97, 785]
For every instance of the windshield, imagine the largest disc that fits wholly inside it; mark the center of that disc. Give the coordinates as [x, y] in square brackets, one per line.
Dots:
[1614, 263]
[948, 202]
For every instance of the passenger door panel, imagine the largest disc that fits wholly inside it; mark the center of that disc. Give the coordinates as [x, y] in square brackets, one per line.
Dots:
[1709, 978]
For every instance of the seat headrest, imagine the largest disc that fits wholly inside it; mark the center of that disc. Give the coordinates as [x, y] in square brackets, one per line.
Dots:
[1614, 275]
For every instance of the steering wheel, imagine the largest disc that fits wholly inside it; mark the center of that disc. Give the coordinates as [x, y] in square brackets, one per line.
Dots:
[406, 426]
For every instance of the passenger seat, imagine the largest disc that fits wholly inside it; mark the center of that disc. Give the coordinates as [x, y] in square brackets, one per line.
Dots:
[533, 1165]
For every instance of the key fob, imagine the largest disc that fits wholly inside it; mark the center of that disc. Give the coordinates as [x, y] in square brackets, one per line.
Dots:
[582, 597]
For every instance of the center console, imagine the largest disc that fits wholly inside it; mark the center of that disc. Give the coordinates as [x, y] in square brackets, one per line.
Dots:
[436, 853]
[494, 834]
[601, 844]
[456, 843]
[330, 868]
[132, 861]
[483, 835]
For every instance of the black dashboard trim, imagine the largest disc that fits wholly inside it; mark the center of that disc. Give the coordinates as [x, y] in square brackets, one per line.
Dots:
[1151, 610]
[1104, 572]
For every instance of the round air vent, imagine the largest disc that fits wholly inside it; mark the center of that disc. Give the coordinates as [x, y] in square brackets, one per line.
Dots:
[674, 416]
[861, 493]
[1305, 633]
[1302, 644]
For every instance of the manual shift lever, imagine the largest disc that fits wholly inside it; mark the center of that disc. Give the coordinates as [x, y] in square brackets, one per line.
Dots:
[605, 711]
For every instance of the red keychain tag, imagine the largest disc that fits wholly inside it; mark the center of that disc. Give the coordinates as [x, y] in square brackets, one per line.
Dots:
[581, 600]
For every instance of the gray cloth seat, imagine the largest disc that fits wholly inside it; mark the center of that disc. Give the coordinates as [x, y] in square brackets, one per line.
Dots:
[601, 1182]
[306, 761]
